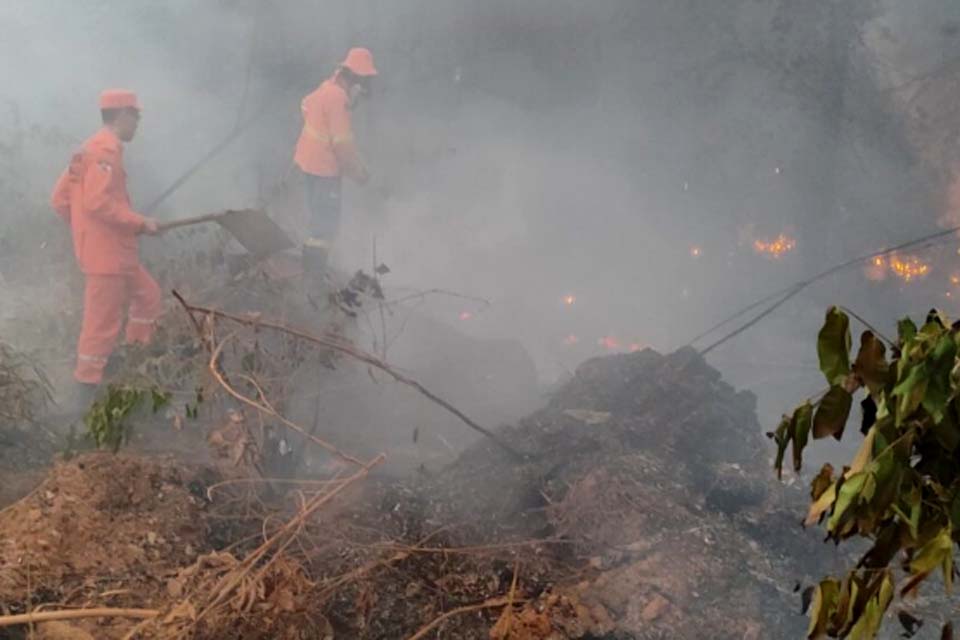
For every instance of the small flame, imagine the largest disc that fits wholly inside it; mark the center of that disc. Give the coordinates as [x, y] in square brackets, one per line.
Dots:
[571, 340]
[955, 279]
[696, 252]
[775, 248]
[609, 342]
[465, 315]
[569, 300]
[908, 268]
[876, 269]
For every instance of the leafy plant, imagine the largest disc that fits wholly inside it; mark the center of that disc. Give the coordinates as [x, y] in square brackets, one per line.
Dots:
[107, 419]
[902, 488]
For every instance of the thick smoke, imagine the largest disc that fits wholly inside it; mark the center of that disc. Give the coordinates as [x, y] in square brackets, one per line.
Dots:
[625, 154]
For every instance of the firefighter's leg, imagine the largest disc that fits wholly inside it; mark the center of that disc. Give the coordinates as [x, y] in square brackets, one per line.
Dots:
[323, 205]
[103, 305]
[145, 306]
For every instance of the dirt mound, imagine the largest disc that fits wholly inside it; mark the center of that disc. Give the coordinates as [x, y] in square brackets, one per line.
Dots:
[703, 435]
[641, 511]
[100, 523]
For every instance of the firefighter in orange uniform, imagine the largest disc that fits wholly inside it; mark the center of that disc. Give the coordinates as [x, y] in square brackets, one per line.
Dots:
[326, 151]
[91, 196]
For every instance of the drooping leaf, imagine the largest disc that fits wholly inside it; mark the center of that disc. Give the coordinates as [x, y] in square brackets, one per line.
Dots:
[938, 390]
[833, 346]
[825, 598]
[869, 622]
[846, 604]
[832, 413]
[937, 552]
[846, 497]
[871, 364]
[822, 482]
[800, 425]
[864, 454]
[910, 390]
[906, 330]
[821, 505]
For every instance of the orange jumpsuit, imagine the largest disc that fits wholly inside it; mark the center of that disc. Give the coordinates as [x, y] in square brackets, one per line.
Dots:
[91, 196]
[326, 147]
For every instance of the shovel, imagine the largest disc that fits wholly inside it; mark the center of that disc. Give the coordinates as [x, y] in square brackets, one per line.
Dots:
[252, 228]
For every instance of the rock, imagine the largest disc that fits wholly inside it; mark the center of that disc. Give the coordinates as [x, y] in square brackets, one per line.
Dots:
[655, 608]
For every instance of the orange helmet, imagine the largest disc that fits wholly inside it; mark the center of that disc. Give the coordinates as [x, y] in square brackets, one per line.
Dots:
[119, 99]
[360, 61]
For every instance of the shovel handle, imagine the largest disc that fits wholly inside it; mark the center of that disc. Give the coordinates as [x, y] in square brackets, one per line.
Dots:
[174, 224]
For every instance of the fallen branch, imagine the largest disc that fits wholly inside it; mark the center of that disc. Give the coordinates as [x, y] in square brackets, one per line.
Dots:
[341, 346]
[75, 614]
[493, 603]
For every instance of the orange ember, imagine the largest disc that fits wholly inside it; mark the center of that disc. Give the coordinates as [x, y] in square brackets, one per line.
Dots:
[569, 300]
[908, 268]
[876, 269]
[465, 315]
[571, 340]
[777, 247]
[695, 252]
[609, 342]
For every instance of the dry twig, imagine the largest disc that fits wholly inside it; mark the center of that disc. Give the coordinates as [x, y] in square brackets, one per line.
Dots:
[75, 614]
[492, 603]
[339, 345]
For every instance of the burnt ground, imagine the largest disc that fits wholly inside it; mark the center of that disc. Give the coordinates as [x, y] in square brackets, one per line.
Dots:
[645, 508]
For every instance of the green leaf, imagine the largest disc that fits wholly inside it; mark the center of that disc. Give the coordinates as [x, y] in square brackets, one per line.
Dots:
[910, 391]
[800, 425]
[869, 622]
[906, 330]
[824, 604]
[871, 364]
[940, 364]
[937, 552]
[833, 346]
[832, 413]
[849, 492]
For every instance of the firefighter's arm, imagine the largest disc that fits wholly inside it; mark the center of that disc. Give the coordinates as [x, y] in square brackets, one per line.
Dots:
[344, 147]
[101, 204]
[60, 200]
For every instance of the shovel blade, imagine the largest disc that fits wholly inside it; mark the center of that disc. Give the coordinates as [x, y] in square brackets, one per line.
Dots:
[254, 229]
